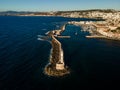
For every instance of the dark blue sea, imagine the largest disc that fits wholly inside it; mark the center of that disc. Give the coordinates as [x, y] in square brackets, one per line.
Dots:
[94, 63]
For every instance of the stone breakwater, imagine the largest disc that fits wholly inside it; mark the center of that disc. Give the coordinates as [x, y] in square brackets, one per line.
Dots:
[56, 66]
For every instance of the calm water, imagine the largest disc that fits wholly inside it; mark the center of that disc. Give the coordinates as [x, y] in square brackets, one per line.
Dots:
[94, 63]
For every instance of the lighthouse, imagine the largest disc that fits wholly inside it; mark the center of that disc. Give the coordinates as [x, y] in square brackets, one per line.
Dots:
[60, 63]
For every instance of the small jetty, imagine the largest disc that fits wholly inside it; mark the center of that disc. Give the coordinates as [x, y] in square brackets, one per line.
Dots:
[95, 36]
[63, 36]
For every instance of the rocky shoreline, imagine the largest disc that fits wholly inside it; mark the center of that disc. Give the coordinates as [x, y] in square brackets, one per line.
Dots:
[52, 71]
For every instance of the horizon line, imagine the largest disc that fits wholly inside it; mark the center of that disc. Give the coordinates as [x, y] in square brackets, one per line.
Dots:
[59, 10]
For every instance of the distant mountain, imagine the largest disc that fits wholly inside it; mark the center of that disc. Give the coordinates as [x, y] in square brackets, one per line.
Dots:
[12, 13]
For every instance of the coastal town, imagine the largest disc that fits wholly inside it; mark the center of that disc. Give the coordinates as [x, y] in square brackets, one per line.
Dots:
[109, 27]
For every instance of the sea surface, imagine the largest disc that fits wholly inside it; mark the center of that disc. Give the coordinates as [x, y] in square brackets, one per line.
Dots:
[94, 63]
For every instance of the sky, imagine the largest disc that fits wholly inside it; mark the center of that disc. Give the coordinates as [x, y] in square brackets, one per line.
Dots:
[57, 5]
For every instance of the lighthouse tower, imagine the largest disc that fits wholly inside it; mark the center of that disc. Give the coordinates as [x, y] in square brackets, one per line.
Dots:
[60, 63]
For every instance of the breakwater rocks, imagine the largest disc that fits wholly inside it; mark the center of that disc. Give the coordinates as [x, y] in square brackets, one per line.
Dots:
[52, 71]
[56, 66]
